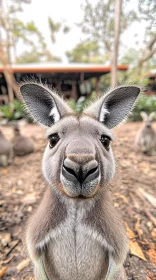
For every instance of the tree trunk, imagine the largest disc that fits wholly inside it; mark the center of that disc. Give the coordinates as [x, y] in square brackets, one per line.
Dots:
[118, 9]
[5, 56]
[9, 77]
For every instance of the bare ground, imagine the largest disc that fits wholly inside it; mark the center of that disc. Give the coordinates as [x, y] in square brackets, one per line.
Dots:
[133, 190]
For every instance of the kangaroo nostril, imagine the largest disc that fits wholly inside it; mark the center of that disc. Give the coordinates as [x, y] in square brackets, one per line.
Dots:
[69, 170]
[90, 172]
[91, 175]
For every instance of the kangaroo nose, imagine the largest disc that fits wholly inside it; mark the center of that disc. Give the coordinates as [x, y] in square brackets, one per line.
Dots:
[74, 172]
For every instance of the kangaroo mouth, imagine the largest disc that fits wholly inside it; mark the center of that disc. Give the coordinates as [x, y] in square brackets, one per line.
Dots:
[80, 187]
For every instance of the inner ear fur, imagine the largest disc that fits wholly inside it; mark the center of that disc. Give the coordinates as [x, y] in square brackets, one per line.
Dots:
[144, 116]
[45, 106]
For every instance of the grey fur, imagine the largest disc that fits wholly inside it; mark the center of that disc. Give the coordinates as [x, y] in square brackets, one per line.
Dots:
[22, 145]
[76, 233]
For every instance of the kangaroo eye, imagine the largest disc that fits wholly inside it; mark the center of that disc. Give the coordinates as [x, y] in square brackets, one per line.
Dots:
[105, 140]
[53, 139]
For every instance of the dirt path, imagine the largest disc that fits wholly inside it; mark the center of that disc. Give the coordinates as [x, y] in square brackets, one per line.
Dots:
[133, 189]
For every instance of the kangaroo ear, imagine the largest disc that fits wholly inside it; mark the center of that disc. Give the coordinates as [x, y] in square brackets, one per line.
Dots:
[45, 106]
[113, 107]
[152, 116]
[144, 116]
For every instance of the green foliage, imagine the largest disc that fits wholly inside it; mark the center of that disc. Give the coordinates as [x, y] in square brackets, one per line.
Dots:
[54, 28]
[16, 5]
[28, 57]
[147, 10]
[146, 104]
[98, 22]
[98, 26]
[36, 56]
[78, 107]
[12, 111]
[25, 32]
[66, 29]
[144, 59]
[72, 104]
[15, 31]
[86, 51]
[31, 36]
[130, 57]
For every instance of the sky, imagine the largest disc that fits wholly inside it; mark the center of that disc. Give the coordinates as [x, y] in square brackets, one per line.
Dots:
[71, 12]
[58, 10]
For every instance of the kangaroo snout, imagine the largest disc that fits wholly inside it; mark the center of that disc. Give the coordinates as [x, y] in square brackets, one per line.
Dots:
[80, 175]
[81, 172]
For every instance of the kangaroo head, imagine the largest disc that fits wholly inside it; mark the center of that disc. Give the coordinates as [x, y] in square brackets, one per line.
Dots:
[78, 160]
[148, 119]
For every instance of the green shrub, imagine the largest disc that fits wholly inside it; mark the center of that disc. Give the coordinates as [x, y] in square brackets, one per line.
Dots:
[78, 107]
[72, 104]
[12, 111]
[146, 104]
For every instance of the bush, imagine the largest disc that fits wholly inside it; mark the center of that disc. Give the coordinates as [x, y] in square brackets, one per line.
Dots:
[82, 102]
[12, 111]
[146, 104]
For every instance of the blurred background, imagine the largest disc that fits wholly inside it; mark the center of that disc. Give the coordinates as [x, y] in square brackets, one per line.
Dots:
[80, 49]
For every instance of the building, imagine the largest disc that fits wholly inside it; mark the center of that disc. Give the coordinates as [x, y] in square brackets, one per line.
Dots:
[71, 79]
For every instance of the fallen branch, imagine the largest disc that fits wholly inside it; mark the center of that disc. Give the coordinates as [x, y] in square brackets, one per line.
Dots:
[148, 196]
[150, 216]
[8, 260]
[13, 247]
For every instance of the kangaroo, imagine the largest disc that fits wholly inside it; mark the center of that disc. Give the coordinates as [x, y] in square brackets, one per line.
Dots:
[145, 141]
[21, 145]
[76, 233]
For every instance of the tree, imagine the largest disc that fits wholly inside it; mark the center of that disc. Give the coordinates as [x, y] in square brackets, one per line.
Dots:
[54, 28]
[86, 51]
[143, 59]
[117, 16]
[8, 10]
[9, 77]
[13, 31]
[147, 13]
[98, 23]
[36, 56]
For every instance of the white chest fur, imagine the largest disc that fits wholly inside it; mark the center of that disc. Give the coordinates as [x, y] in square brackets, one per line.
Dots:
[76, 251]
